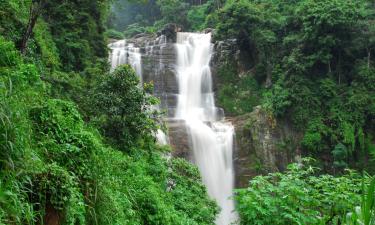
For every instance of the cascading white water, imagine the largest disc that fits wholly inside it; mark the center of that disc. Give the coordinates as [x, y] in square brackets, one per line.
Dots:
[212, 140]
[123, 53]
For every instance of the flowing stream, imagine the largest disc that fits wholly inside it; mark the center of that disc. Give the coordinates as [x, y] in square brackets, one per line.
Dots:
[211, 139]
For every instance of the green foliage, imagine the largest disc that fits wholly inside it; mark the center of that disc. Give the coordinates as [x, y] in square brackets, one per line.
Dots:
[55, 187]
[9, 57]
[18, 82]
[237, 19]
[125, 13]
[55, 119]
[13, 16]
[122, 108]
[77, 29]
[340, 156]
[150, 16]
[174, 11]
[114, 34]
[314, 135]
[196, 16]
[52, 165]
[313, 61]
[237, 94]
[148, 189]
[47, 47]
[365, 214]
[298, 196]
[277, 100]
[187, 193]
[134, 29]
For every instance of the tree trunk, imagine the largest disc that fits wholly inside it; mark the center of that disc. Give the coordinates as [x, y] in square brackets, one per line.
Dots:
[35, 10]
[368, 58]
[53, 216]
[329, 67]
[269, 75]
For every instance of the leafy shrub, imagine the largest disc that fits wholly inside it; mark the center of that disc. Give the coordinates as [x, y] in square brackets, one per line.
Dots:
[148, 189]
[297, 196]
[187, 193]
[123, 110]
[46, 45]
[174, 11]
[196, 16]
[277, 100]
[134, 29]
[114, 34]
[55, 187]
[13, 16]
[340, 156]
[237, 94]
[313, 139]
[57, 119]
[9, 55]
[237, 19]
[364, 214]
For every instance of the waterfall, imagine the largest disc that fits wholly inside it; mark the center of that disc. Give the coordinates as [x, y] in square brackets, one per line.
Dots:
[211, 138]
[126, 53]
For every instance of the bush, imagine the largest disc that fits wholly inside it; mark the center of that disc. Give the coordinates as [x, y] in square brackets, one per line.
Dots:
[114, 34]
[46, 45]
[237, 94]
[9, 55]
[134, 29]
[123, 110]
[364, 214]
[196, 17]
[298, 196]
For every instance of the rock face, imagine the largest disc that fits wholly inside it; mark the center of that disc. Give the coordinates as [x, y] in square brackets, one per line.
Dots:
[229, 51]
[158, 67]
[178, 140]
[263, 145]
[170, 32]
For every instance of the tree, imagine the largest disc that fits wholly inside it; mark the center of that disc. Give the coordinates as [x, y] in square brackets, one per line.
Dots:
[36, 8]
[123, 109]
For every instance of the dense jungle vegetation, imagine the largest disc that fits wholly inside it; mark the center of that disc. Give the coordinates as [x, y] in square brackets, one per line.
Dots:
[66, 157]
[77, 142]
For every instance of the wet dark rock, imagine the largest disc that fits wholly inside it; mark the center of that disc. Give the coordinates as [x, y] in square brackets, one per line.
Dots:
[158, 67]
[208, 30]
[170, 31]
[178, 137]
[263, 145]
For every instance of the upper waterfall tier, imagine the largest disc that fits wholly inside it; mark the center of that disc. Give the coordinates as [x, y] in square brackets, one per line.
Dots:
[126, 53]
[195, 99]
